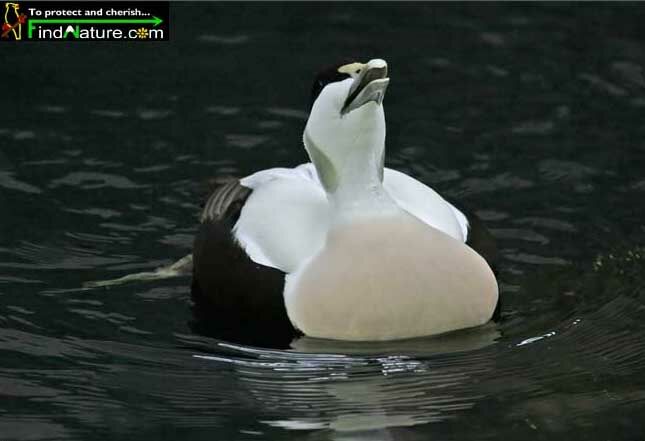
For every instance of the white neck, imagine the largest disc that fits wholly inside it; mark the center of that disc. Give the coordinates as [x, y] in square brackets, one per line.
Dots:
[360, 191]
[354, 185]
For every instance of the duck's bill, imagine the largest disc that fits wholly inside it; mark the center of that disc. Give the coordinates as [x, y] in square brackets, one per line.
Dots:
[368, 87]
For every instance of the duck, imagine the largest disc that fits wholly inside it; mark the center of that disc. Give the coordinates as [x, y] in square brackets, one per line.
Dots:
[341, 247]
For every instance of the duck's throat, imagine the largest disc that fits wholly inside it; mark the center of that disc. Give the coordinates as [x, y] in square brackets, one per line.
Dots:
[354, 185]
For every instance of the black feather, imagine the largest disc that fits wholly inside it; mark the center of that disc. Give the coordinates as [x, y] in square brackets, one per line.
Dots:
[325, 77]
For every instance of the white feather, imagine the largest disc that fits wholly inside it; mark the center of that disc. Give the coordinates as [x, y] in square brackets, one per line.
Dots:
[425, 204]
[284, 220]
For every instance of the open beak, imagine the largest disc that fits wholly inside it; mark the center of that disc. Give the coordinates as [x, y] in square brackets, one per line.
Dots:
[370, 85]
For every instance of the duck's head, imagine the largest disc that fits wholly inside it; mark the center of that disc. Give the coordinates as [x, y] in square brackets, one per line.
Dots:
[346, 117]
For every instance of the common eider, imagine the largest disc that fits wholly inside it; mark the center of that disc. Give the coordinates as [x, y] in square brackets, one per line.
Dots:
[341, 247]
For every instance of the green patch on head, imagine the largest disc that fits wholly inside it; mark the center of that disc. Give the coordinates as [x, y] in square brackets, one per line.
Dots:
[326, 170]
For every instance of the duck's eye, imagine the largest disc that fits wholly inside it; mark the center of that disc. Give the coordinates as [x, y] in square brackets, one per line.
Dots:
[357, 71]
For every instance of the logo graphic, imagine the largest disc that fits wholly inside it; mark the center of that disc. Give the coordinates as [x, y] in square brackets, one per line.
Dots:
[142, 33]
[55, 20]
[13, 21]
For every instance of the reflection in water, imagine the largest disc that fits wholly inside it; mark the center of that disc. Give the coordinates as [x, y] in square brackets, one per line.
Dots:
[359, 393]
[531, 118]
[457, 341]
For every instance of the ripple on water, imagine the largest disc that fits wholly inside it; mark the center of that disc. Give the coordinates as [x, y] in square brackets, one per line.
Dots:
[245, 141]
[8, 181]
[349, 393]
[534, 259]
[470, 186]
[94, 180]
[153, 114]
[223, 110]
[22, 135]
[10, 279]
[534, 128]
[632, 72]
[288, 113]
[108, 113]
[91, 238]
[344, 387]
[49, 108]
[153, 168]
[603, 85]
[558, 170]
[66, 257]
[103, 213]
[549, 224]
[519, 234]
[226, 40]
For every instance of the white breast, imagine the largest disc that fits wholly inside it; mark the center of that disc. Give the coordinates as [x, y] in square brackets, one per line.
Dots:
[389, 279]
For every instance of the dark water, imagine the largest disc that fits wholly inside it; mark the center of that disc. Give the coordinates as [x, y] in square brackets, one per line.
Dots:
[531, 115]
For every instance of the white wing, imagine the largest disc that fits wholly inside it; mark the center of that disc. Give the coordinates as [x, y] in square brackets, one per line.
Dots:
[424, 203]
[285, 219]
